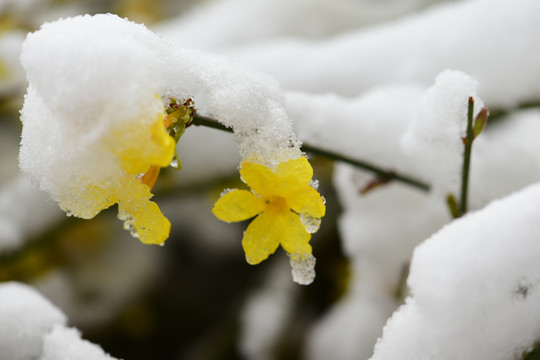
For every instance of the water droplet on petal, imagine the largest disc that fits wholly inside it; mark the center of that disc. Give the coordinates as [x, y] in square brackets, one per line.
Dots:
[174, 163]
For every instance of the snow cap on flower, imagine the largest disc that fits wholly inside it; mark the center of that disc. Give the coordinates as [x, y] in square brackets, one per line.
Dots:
[252, 104]
[92, 123]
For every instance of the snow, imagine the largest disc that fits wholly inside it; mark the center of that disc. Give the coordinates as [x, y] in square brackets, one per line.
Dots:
[33, 328]
[248, 102]
[328, 120]
[115, 81]
[434, 137]
[506, 157]
[273, 18]
[66, 343]
[302, 268]
[479, 277]
[77, 97]
[349, 329]
[93, 78]
[25, 317]
[414, 50]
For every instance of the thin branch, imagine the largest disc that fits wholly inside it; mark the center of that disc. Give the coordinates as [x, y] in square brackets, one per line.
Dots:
[497, 114]
[387, 175]
[468, 140]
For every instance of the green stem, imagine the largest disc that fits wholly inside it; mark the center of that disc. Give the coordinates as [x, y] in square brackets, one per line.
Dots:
[468, 140]
[381, 173]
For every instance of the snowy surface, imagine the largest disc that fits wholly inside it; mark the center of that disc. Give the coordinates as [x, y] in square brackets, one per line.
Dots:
[90, 73]
[378, 253]
[414, 50]
[25, 317]
[66, 343]
[350, 328]
[248, 102]
[80, 63]
[267, 19]
[418, 131]
[349, 125]
[479, 277]
[33, 328]
[103, 99]
[434, 137]
[420, 136]
[506, 157]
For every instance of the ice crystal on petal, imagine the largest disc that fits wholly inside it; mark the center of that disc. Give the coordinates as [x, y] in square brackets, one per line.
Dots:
[311, 223]
[302, 268]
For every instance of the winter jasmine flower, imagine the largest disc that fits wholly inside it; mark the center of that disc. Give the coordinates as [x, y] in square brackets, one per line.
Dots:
[94, 131]
[278, 200]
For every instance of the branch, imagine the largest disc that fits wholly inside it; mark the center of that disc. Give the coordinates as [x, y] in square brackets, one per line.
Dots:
[473, 130]
[384, 174]
[468, 140]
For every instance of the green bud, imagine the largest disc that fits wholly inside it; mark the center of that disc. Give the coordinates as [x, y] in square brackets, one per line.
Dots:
[452, 204]
[480, 122]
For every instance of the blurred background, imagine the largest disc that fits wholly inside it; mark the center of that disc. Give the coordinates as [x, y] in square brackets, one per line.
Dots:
[196, 298]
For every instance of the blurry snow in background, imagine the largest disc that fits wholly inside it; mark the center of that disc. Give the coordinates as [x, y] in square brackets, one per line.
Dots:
[367, 79]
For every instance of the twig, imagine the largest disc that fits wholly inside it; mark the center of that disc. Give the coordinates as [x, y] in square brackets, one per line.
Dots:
[467, 140]
[386, 175]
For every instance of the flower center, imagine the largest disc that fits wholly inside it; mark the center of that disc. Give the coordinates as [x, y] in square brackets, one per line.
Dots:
[275, 204]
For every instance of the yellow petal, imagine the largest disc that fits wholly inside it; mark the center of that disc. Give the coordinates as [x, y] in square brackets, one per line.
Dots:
[306, 200]
[262, 238]
[143, 144]
[141, 216]
[295, 238]
[145, 221]
[164, 142]
[298, 171]
[238, 205]
[150, 177]
[88, 203]
[259, 178]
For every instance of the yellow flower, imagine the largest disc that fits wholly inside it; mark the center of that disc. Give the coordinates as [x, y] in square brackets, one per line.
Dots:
[140, 150]
[279, 199]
